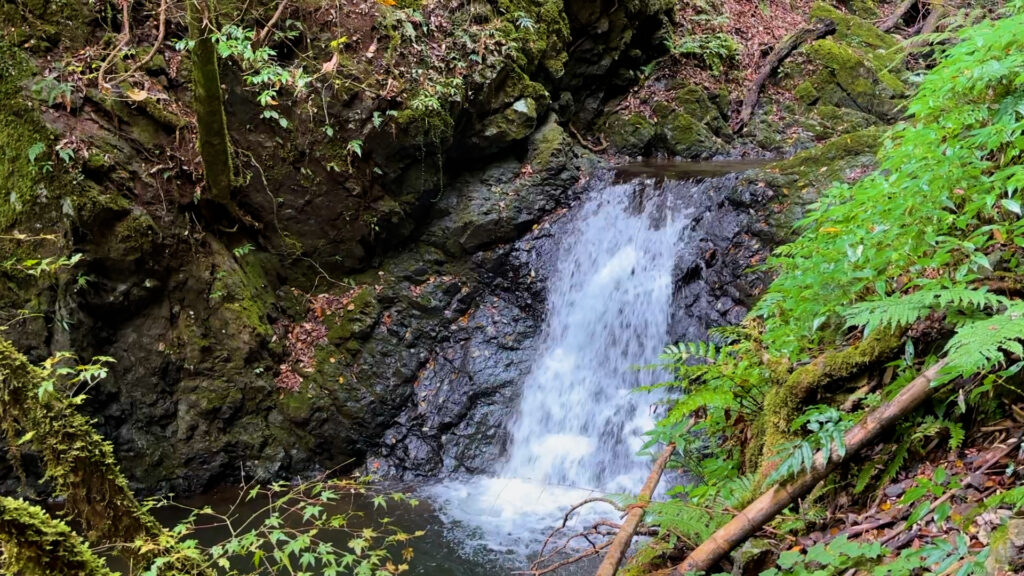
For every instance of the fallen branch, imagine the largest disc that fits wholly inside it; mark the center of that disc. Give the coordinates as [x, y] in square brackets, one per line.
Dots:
[565, 522]
[781, 496]
[633, 518]
[265, 33]
[780, 53]
[897, 15]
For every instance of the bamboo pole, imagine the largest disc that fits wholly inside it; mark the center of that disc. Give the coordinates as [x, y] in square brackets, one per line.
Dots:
[622, 540]
[779, 497]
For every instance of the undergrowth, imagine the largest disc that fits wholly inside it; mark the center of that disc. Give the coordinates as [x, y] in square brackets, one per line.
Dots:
[930, 245]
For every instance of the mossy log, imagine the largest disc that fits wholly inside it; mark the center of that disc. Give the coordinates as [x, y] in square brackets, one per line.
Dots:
[34, 544]
[783, 404]
[81, 466]
[79, 462]
[214, 142]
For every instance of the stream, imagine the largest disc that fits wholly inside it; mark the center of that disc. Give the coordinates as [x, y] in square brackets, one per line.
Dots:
[579, 423]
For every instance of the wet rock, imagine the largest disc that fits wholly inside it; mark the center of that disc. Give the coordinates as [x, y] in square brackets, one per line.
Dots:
[683, 136]
[629, 134]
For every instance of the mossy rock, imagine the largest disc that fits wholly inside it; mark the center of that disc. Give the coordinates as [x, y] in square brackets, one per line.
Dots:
[847, 80]
[43, 24]
[805, 93]
[549, 147]
[514, 123]
[853, 30]
[827, 122]
[356, 320]
[629, 134]
[827, 163]
[544, 40]
[683, 136]
[693, 100]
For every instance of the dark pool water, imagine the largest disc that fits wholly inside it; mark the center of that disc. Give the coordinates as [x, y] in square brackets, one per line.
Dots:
[440, 551]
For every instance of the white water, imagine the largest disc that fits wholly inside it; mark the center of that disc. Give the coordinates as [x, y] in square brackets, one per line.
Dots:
[579, 424]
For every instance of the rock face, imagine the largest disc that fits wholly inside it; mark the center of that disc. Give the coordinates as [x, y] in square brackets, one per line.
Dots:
[382, 302]
[469, 389]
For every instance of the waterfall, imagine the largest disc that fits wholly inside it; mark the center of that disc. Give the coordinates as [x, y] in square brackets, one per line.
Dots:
[580, 422]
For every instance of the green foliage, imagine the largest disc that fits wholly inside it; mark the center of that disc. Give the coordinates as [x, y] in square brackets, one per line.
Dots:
[827, 426]
[835, 557]
[714, 51]
[935, 210]
[900, 311]
[981, 346]
[311, 528]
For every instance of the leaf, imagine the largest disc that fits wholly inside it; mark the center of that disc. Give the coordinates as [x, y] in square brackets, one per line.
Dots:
[136, 94]
[1012, 206]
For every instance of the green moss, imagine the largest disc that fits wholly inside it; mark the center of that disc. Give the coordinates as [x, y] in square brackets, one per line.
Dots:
[514, 123]
[20, 130]
[783, 404]
[549, 145]
[847, 79]
[134, 235]
[35, 544]
[827, 122]
[853, 30]
[429, 124]
[242, 289]
[42, 24]
[805, 93]
[356, 321]
[685, 137]
[629, 133]
[541, 30]
[693, 101]
[824, 164]
[214, 143]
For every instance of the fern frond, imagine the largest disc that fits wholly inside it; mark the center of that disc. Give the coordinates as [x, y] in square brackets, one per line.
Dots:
[981, 346]
[897, 311]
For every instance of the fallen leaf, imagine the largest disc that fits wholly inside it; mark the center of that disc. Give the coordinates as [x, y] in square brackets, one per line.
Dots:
[137, 95]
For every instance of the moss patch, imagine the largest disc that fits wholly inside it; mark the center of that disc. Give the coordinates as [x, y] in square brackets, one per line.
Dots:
[629, 133]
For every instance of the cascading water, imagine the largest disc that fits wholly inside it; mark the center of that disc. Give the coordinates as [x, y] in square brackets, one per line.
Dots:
[580, 422]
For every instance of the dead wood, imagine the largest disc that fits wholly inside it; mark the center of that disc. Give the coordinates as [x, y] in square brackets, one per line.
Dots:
[622, 540]
[781, 496]
[810, 33]
[897, 15]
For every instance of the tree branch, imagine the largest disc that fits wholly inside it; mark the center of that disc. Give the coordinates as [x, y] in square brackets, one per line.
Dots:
[780, 53]
[635, 515]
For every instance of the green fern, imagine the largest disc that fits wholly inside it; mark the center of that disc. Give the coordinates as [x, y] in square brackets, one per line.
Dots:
[898, 311]
[981, 346]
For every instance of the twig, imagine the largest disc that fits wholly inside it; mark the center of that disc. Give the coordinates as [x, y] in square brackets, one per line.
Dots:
[585, 554]
[126, 7]
[565, 519]
[156, 45]
[269, 28]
